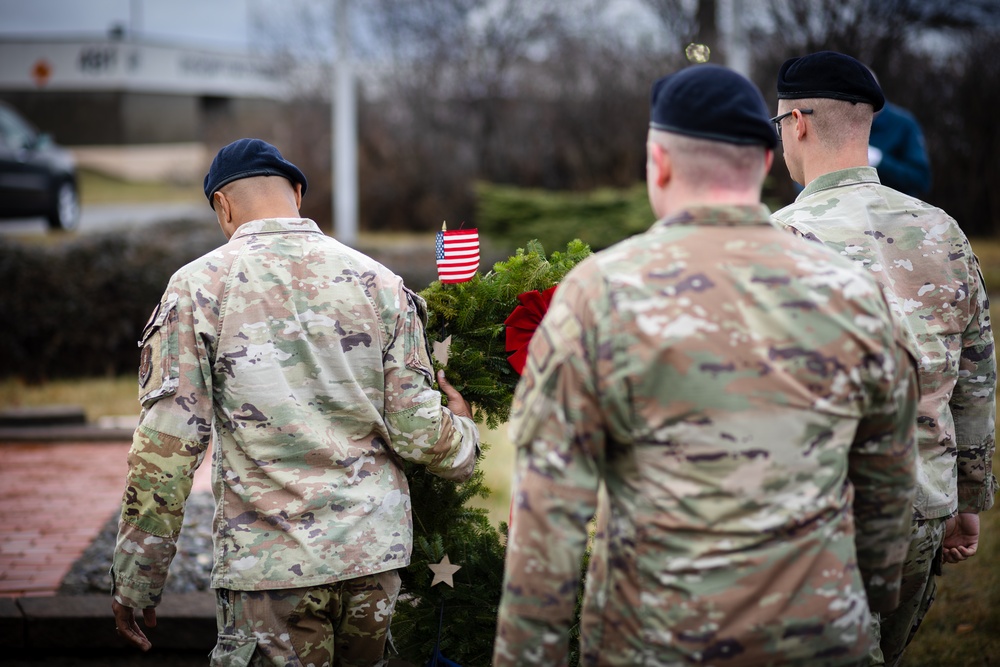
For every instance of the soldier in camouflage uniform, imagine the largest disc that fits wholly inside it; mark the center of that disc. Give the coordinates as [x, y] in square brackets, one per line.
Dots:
[740, 397]
[932, 280]
[305, 364]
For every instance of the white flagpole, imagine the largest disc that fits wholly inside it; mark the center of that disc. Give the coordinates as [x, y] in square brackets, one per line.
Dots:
[345, 143]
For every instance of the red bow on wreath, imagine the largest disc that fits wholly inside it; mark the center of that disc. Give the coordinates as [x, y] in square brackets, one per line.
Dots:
[521, 324]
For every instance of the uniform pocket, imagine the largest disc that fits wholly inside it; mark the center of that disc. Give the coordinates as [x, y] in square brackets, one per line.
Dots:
[159, 362]
[231, 651]
[417, 354]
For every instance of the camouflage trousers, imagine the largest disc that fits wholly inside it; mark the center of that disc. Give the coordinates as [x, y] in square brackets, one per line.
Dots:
[343, 624]
[894, 631]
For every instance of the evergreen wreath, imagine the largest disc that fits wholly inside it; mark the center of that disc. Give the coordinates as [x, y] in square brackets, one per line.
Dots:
[473, 314]
[460, 622]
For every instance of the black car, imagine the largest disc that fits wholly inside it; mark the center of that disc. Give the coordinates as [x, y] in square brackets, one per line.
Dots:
[37, 177]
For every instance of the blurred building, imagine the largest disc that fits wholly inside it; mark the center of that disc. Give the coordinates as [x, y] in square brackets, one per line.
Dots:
[138, 109]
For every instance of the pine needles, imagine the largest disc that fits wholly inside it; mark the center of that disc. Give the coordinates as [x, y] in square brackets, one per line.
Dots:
[473, 313]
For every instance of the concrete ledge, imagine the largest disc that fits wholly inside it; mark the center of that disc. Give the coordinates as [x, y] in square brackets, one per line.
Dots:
[125, 657]
[11, 625]
[62, 423]
[79, 631]
[69, 623]
[49, 415]
[63, 434]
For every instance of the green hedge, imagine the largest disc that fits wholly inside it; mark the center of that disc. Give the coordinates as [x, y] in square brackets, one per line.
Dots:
[599, 218]
[76, 308]
[511, 216]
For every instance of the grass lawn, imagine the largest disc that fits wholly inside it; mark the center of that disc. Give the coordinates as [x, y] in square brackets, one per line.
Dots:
[962, 629]
[99, 188]
[99, 397]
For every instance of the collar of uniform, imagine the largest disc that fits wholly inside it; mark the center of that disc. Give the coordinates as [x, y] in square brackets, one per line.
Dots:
[277, 225]
[841, 178]
[722, 216]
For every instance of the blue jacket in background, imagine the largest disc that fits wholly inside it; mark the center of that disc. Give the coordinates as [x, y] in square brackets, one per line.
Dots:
[905, 165]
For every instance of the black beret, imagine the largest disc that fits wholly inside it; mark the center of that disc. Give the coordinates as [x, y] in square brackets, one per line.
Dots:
[711, 102]
[245, 158]
[828, 74]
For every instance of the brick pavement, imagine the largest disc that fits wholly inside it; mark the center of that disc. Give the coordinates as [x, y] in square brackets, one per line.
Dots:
[54, 499]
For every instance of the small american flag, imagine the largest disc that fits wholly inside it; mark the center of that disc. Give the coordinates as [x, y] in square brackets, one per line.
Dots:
[457, 255]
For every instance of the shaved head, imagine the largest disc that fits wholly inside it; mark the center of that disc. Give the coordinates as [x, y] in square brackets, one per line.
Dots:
[704, 165]
[836, 123]
[248, 192]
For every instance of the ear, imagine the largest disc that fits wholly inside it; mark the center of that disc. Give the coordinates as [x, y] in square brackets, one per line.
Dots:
[224, 213]
[799, 127]
[223, 207]
[298, 195]
[768, 160]
[660, 159]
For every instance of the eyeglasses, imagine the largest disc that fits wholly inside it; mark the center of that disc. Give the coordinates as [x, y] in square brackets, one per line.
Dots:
[777, 119]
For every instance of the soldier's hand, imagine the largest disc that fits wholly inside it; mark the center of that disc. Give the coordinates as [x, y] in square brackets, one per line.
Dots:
[458, 405]
[961, 537]
[128, 629]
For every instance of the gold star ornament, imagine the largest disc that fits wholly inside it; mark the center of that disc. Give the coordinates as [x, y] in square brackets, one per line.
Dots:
[444, 571]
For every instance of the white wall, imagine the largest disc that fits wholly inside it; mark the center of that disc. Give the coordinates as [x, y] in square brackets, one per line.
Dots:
[104, 65]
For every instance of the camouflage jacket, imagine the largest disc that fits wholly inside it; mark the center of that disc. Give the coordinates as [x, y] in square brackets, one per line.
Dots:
[304, 364]
[931, 278]
[736, 392]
